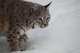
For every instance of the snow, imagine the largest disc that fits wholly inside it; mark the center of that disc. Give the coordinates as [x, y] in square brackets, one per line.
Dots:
[63, 33]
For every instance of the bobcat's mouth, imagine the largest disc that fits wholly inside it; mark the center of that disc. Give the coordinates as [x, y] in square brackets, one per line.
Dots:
[33, 26]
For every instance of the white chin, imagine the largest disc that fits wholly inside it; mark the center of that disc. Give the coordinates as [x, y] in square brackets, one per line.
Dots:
[44, 26]
[36, 26]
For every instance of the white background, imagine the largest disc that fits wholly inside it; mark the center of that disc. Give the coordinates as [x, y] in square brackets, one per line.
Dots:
[63, 33]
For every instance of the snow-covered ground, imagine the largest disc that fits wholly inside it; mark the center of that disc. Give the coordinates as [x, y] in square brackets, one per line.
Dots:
[63, 33]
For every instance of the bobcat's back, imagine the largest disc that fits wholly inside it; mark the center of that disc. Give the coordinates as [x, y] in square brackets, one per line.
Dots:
[4, 22]
[7, 13]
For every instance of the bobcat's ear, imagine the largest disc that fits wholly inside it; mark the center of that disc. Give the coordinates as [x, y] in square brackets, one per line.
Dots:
[47, 6]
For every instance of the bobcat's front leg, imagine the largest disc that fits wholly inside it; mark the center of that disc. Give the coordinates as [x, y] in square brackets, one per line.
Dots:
[23, 40]
[13, 40]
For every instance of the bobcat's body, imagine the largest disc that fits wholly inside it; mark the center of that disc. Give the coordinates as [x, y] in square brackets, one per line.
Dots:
[17, 16]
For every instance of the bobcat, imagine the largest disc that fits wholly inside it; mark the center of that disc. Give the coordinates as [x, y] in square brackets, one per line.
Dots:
[18, 16]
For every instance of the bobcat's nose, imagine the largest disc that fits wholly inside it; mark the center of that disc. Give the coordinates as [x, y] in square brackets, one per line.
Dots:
[45, 25]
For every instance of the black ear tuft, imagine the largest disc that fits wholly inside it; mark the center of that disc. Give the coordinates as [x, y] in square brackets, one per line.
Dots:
[47, 6]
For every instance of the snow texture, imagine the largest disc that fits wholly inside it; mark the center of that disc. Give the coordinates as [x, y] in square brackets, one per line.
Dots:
[63, 33]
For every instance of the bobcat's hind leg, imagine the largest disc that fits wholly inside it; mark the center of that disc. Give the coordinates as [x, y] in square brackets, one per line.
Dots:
[22, 41]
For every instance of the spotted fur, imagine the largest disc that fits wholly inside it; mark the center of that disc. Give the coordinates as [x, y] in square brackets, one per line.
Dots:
[18, 16]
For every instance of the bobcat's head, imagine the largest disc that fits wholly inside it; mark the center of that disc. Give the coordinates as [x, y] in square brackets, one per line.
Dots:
[44, 17]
